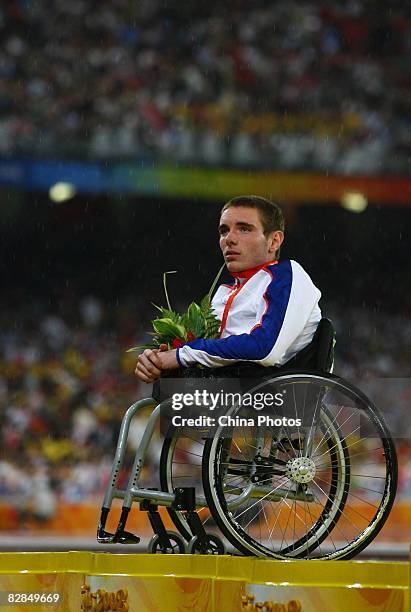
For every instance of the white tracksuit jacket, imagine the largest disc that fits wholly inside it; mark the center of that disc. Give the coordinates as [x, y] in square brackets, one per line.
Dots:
[268, 315]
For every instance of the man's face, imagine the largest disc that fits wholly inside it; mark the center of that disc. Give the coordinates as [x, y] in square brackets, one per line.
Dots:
[242, 239]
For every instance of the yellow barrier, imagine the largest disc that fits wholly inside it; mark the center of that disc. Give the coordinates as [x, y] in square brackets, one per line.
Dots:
[166, 583]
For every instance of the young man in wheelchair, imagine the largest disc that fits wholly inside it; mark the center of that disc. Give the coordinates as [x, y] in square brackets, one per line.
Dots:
[296, 488]
[269, 314]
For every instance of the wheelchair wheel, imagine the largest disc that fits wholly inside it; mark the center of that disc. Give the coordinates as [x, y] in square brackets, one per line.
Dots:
[319, 491]
[211, 545]
[180, 466]
[176, 545]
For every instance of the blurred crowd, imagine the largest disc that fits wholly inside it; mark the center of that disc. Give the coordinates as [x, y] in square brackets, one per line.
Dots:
[288, 85]
[66, 381]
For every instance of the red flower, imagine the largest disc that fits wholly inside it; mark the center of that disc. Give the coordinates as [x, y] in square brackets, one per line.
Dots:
[190, 336]
[177, 342]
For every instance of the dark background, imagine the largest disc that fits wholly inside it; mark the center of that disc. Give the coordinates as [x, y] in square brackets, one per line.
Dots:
[119, 247]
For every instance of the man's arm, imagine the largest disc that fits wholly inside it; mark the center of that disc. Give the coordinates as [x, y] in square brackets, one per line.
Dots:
[290, 298]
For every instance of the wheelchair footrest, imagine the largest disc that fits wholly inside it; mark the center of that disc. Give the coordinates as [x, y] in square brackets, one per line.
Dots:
[126, 537]
[103, 536]
[121, 536]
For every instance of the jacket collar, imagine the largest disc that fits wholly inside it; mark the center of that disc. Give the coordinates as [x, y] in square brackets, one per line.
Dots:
[246, 274]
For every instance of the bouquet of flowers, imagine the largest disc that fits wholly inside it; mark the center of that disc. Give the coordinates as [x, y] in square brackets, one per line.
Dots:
[173, 329]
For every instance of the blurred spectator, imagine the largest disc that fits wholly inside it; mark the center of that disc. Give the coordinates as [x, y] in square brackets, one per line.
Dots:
[288, 85]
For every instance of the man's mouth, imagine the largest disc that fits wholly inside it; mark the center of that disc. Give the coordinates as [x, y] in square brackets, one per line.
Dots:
[230, 255]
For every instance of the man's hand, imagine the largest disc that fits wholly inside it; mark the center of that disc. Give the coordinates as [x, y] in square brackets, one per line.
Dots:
[152, 362]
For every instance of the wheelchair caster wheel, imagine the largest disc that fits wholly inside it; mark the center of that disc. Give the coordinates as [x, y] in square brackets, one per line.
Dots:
[210, 545]
[175, 545]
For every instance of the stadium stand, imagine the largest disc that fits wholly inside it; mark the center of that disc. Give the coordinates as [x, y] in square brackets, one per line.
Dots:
[299, 85]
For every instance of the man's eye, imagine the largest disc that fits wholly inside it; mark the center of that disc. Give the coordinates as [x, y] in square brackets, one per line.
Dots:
[244, 229]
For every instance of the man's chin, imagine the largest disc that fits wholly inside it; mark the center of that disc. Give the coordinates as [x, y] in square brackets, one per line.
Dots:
[234, 266]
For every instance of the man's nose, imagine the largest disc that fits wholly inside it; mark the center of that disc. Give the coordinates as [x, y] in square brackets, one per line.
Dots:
[230, 238]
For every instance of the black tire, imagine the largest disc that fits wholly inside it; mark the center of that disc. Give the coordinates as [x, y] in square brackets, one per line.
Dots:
[342, 494]
[212, 545]
[178, 546]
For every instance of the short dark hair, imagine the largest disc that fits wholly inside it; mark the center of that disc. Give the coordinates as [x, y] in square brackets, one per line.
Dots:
[271, 215]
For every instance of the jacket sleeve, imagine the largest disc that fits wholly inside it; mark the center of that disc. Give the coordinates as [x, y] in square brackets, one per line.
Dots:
[290, 298]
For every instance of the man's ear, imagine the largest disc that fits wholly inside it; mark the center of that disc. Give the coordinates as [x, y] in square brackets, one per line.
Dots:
[276, 240]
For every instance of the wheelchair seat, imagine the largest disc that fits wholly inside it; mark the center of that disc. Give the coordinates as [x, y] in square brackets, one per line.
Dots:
[319, 354]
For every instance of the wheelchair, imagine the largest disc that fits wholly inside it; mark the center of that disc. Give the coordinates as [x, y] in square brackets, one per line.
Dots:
[320, 491]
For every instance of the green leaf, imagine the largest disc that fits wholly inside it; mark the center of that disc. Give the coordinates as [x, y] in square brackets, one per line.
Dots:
[194, 320]
[169, 314]
[160, 308]
[141, 347]
[212, 324]
[213, 286]
[205, 303]
[169, 328]
[165, 285]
